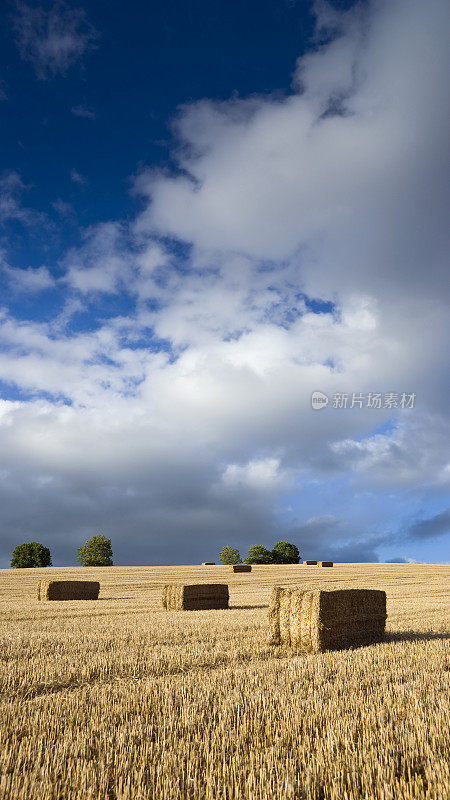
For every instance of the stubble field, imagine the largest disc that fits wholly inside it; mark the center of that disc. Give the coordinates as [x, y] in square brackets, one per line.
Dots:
[116, 699]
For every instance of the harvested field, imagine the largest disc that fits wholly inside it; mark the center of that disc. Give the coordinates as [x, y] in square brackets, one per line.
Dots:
[318, 620]
[115, 699]
[195, 597]
[68, 590]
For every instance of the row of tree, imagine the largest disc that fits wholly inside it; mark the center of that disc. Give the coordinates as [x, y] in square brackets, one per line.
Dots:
[282, 553]
[97, 552]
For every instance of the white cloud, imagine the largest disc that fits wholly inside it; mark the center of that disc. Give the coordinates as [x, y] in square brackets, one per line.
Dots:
[259, 474]
[11, 205]
[52, 41]
[202, 392]
[77, 177]
[414, 453]
[354, 199]
[64, 210]
[32, 279]
[101, 264]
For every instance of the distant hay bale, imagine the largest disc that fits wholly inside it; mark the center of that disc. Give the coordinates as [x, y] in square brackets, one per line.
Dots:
[208, 563]
[325, 563]
[68, 590]
[195, 597]
[318, 620]
[311, 563]
[240, 567]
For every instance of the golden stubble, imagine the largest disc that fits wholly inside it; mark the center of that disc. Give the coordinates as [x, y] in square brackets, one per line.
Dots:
[116, 699]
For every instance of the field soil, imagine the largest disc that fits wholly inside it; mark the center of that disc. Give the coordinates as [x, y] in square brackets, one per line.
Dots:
[117, 699]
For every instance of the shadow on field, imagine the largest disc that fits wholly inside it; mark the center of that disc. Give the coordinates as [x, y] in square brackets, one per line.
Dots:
[233, 608]
[415, 636]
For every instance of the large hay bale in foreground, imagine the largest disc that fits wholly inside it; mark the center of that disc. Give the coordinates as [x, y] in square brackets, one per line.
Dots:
[208, 563]
[311, 563]
[240, 567]
[317, 620]
[325, 563]
[68, 590]
[195, 597]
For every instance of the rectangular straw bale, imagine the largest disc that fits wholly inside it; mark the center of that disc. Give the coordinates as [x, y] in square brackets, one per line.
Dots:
[195, 597]
[208, 563]
[274, 615]
[68, 590]
[311, 563]
[240, 567]
[317, 620]
[285, 615]
[325, 563]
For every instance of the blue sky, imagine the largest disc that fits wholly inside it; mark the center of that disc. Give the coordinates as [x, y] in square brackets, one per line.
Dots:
[209, 211]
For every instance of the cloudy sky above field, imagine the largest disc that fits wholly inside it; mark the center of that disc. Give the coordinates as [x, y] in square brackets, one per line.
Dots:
[208, 211]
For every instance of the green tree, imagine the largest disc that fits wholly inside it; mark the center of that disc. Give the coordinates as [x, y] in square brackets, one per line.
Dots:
[228, 555]
[258, 555]
[97, 552]
[31, 554]
[285, 553]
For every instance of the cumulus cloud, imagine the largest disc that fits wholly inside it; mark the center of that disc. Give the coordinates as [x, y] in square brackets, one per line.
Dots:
[100, 263]
[261, 475]
[11, 205]
[32, 280]
[414, 450]
[52, 41]
[185, 419]
[355, 195]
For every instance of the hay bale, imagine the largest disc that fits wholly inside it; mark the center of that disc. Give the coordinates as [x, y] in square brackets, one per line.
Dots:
[68, 590]
[240, 567]
[311, 563]
[195, 597]
[325, 563]
[208, 563]
[317, 620]
[274, 615]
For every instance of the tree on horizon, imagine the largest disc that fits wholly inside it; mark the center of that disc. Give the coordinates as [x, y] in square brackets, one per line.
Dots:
[258, 554]
[229, 555]
[30, 554]
[97, 552]
[285, 553]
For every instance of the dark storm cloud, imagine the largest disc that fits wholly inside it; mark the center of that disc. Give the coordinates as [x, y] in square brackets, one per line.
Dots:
[431, 527]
